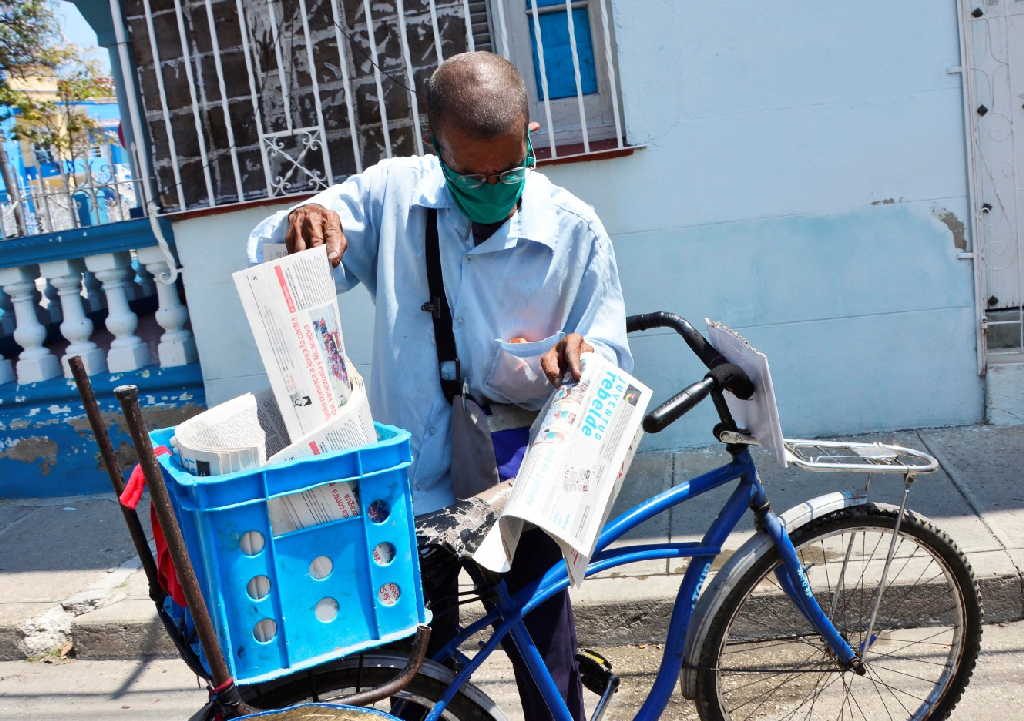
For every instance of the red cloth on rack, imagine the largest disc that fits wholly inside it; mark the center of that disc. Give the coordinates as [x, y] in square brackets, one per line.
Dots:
[130, 498]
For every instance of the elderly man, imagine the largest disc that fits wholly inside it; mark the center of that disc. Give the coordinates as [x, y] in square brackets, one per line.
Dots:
[526, 282]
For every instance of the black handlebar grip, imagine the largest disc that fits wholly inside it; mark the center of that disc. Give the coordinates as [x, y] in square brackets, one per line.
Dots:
[682, 402]
[663, 319]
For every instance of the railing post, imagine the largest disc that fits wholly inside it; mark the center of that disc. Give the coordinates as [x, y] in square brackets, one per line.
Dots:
[66, 277]
[177, 345]
[36, 363]
[127, 352]
[7, 319]
[93, 292]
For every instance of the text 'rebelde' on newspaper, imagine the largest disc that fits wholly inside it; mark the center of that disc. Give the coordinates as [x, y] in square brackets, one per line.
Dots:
[580, 448]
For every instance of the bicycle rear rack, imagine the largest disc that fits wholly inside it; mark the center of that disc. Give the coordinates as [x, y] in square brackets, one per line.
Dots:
[836, 456]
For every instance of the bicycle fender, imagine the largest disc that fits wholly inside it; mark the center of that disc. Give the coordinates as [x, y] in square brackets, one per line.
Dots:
[744, 557]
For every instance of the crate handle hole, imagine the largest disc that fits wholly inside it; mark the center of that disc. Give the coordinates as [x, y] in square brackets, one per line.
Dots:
[383, 554]
[258, 587]
[389, 593]
[378, 511]
[265, 630]
[251, 543]
[321, 567]
[326, 610]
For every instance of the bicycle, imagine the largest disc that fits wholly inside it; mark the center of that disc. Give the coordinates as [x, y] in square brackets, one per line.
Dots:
[838, 606]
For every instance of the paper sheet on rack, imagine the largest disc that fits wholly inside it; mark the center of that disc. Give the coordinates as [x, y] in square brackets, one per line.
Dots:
[580, 448]
[760, 414]
[292, 308]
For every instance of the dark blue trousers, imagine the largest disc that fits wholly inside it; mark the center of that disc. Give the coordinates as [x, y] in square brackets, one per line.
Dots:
[551, 624]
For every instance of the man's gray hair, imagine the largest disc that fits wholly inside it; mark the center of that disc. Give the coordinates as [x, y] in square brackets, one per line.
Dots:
[480, 92]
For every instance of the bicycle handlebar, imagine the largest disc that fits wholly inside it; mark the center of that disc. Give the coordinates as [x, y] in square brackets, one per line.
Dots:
[663, 319]
[722, 375]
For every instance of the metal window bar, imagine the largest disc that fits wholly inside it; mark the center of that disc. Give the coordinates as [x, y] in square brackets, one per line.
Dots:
[375, 59]
[243, 31]
[411, 83]
[282, 78]
[186, 57]
[467, 16]
[578, 75]
[317, 103]
[542, 70]
[613, 88]
[506, 51]
[438, 47]
[219, 69]
[159, 73]
[346, 85]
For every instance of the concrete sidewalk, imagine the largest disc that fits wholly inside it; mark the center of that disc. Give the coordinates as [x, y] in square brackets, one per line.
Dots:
[69, 582]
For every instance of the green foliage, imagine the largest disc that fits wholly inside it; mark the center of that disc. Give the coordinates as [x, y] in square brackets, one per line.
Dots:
[29, 37]
[31, 45]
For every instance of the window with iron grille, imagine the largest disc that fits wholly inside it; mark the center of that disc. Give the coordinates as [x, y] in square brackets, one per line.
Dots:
[248, 99]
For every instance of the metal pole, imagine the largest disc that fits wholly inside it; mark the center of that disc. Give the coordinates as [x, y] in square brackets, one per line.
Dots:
[128, 395]
[110, 462]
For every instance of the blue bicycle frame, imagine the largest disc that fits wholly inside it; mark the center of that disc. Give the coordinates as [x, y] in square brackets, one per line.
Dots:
[506, 617]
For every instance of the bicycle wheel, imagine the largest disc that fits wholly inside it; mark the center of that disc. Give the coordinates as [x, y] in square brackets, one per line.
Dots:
[763, 660]
[334, 682]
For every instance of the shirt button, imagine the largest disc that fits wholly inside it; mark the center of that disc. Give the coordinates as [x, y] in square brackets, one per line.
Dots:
[430, 430]
[469, 259]
[459, 320]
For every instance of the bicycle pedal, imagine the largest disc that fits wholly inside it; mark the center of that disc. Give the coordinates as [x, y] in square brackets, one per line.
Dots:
[596, 672]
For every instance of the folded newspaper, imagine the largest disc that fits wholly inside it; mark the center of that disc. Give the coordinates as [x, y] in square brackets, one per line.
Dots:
[580, 448]
[317, 400]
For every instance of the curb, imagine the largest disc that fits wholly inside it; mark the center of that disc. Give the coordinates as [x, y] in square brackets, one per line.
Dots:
[130, 629]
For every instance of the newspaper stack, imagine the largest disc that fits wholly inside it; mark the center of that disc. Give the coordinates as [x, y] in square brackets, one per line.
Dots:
[580, 448]
[317, 400]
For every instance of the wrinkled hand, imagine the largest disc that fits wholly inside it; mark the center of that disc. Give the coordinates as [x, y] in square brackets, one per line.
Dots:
[312, 225]
[565, 356]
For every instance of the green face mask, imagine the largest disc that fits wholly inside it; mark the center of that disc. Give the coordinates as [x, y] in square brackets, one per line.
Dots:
[484, 202]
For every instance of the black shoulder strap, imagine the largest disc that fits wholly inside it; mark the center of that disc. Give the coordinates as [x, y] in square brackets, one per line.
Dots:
[437, 306]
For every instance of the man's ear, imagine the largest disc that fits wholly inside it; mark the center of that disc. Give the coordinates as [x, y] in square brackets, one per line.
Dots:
[533, 126]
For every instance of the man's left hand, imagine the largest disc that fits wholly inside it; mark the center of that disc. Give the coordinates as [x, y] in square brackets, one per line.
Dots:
[565, 356]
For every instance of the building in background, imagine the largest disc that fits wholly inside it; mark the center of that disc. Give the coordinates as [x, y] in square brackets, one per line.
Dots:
[838, 182]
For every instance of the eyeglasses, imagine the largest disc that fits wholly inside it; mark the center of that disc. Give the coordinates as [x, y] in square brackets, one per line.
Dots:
[472, 181]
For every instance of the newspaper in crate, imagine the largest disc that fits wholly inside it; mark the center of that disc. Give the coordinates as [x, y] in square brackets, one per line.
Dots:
[313, 507]
[580, 448]
[292, 307]
[223, 439]
[760, 414]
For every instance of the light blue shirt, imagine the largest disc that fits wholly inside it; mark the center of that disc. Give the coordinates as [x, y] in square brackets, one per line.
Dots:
[548, 271]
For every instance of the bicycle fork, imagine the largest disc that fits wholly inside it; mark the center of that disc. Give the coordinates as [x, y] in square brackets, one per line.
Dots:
[794, 582]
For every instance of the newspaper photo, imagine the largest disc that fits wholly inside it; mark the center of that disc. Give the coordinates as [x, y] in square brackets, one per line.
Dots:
[580, 449]
[292, 307]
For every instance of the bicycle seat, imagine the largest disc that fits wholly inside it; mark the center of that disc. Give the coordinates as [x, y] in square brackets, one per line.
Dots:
[461, 527]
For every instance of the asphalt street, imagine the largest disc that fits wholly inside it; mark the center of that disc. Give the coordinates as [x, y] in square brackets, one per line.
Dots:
[164, 690]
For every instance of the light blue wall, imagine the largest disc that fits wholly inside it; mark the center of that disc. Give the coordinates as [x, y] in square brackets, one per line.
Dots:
[798, 158]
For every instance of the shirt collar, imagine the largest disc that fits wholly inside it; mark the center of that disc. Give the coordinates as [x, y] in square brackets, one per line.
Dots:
[534, 221]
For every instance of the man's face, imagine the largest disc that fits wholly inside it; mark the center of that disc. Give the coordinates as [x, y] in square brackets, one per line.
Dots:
[467, 154]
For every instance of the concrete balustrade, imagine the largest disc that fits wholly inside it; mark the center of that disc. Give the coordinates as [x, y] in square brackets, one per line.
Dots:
[64, 282]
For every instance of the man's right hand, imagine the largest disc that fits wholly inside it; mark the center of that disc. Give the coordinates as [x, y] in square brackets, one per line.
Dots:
[312, 225]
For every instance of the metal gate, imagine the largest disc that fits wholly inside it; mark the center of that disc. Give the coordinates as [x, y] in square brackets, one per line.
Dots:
[992, 38]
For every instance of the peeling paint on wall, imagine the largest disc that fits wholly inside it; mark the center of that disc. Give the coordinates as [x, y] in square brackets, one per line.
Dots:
[955, 225]
[31, 450]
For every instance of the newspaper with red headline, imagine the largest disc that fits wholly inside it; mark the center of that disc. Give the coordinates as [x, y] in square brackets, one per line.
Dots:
[580, 449]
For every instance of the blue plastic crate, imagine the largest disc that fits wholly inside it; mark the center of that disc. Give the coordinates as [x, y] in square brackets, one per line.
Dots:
[285, 602]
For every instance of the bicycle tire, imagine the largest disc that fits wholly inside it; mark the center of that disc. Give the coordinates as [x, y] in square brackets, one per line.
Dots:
[725, 691]
[335, 681]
